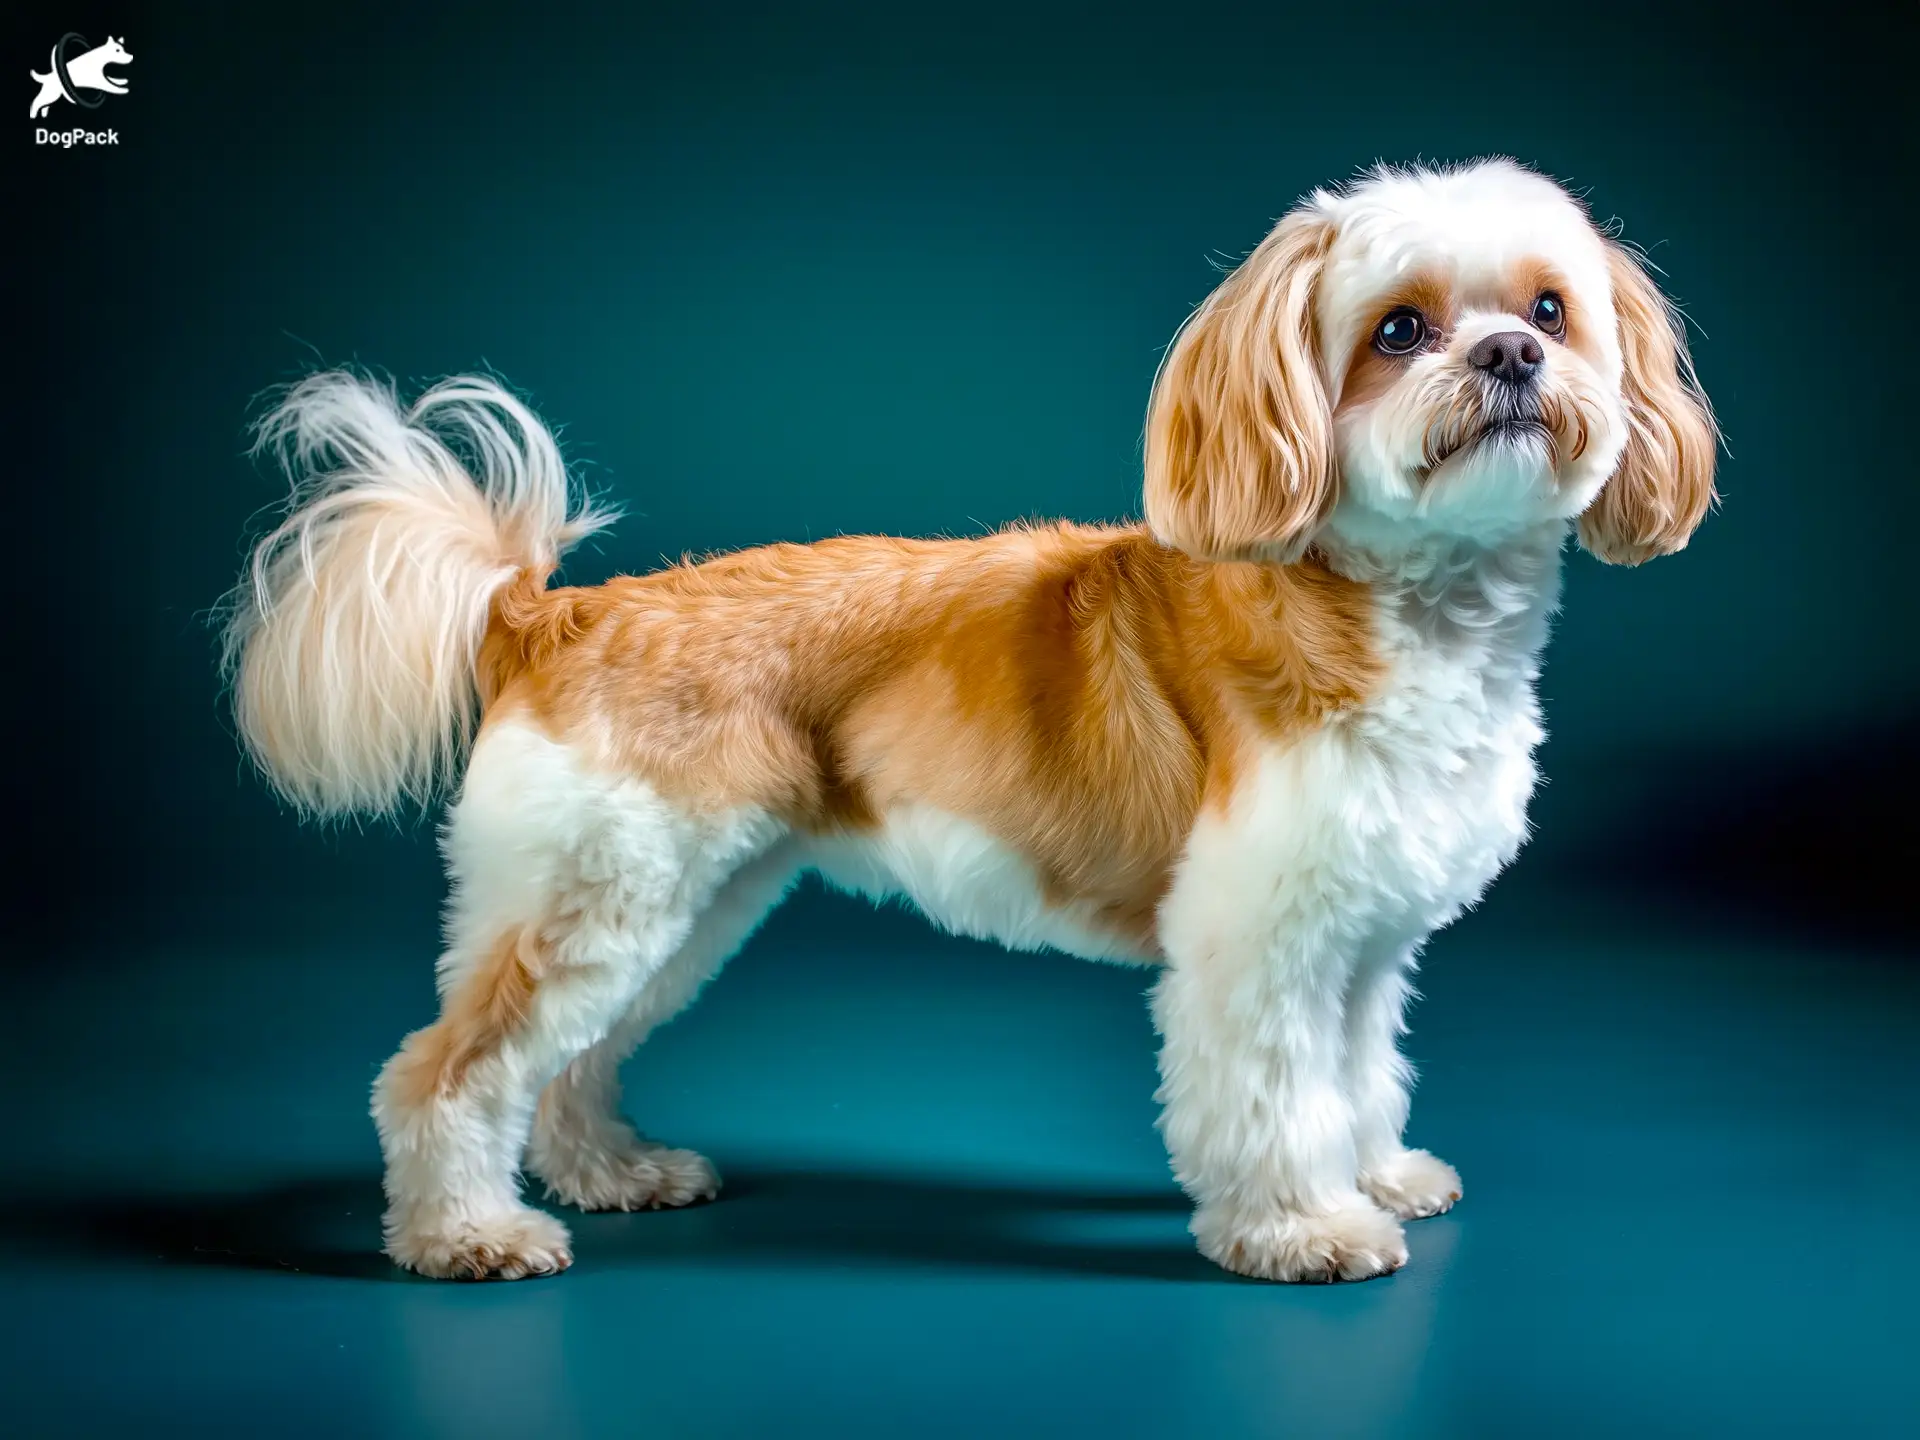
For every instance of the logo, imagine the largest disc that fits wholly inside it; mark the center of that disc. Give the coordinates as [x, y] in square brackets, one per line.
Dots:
[75, 72]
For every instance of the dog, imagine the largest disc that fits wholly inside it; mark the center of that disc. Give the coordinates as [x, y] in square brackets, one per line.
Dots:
[88, 71]
[1267, 741]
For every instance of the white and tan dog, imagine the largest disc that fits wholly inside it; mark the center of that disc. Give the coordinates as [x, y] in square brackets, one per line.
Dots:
[1268, 741]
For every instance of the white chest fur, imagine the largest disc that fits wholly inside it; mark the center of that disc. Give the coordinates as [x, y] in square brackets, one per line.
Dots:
[1447, 745]
[1379, 828]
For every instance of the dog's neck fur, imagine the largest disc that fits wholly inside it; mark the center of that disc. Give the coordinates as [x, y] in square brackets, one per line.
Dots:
[1464, 603]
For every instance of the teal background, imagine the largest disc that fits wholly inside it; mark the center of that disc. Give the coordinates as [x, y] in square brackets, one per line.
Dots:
[784, 272]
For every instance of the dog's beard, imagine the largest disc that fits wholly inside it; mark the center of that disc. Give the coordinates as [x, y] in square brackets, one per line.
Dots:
[1549, 418]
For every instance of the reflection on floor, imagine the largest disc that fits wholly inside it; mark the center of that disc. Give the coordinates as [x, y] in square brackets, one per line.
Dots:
[1690, 1158]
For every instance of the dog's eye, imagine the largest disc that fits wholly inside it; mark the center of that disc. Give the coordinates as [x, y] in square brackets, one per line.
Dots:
[1401, 333]
[1549, 314]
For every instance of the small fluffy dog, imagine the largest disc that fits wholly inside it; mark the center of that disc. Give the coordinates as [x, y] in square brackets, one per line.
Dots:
[1267, 741]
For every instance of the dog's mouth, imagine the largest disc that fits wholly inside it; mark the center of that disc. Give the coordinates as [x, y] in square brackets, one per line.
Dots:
[1513, 430]
[1544, 424]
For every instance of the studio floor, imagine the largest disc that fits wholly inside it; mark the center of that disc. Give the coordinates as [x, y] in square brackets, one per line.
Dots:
[1690, 1169]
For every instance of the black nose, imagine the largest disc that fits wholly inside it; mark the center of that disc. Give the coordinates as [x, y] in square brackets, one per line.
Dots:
[1512, 356]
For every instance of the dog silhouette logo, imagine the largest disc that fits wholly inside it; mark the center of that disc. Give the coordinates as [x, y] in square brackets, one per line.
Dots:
[72, 76]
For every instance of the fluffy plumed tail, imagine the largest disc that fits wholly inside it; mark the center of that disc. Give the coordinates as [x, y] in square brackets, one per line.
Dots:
[352, 640]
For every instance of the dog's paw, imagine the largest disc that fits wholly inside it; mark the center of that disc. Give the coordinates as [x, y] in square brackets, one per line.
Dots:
[515, 1244]
[628, 1175]
[1413, 1184]
[1355, 1242]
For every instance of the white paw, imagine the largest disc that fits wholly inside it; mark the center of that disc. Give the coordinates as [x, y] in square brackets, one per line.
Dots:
[513, 1244]
[1354, 1242]
[629, 1174]
[1413, 1185]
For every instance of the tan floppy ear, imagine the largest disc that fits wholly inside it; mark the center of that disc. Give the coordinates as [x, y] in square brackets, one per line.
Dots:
[1663, 486]
[1239, 444]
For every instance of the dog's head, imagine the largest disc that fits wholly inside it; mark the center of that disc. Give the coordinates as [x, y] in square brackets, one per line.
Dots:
[113, 52]
[1455, 353]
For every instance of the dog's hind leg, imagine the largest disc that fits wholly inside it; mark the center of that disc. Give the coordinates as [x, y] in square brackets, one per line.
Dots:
[583, 1149]
[573, 889]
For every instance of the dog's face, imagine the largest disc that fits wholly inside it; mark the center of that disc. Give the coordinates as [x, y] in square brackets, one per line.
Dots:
[1467, 331]
[1456, 354]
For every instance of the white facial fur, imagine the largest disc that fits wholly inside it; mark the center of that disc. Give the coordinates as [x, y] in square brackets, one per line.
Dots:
[1472, 230]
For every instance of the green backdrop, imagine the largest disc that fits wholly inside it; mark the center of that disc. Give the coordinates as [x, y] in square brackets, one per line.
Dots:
[780, 274]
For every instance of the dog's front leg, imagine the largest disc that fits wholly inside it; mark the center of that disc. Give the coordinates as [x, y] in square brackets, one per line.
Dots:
[1255, 1111]
[1409, 1183]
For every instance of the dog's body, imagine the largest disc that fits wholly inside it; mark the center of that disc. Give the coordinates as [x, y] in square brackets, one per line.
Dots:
[1269, 742]
[88, 71]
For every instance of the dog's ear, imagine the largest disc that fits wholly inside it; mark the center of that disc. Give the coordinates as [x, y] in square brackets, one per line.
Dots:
[1663, 486]
[1239, 442]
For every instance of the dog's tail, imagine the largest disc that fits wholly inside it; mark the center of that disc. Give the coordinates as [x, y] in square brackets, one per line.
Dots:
[352, 640]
